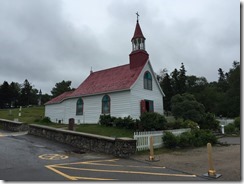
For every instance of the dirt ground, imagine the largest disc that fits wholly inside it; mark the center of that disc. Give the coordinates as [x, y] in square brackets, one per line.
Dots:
[226, 161]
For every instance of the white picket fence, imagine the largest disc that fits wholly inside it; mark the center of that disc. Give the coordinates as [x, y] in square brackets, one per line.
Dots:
[143, 138]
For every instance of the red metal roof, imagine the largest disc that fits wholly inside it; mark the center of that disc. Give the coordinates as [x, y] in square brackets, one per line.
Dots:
[104, 81]
[59, 98]
[138, 32]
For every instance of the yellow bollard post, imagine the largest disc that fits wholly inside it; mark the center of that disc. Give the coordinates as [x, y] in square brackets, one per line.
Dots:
[211, 171]
[151, 157]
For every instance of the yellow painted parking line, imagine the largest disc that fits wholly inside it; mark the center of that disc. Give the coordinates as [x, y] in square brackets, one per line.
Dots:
[116, 165]
[60, 173]
[98, 179]
[96, 162]
[93, 161]
[57, 169]
[124, 171]
[76, 177]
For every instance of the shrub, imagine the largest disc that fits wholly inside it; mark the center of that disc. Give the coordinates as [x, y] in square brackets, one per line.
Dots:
[237, 123]
[209, 122]
[178, 123]
[202, 137]
[195, 138]
[152, 121]
[46, 120]
[126, 122]
[190, 124]
[105, 120]
[170, 140]
[186, 140]
[230, 128]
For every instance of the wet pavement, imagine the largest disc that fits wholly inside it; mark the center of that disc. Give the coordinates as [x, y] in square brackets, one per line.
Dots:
[26, 157]
[230, 140]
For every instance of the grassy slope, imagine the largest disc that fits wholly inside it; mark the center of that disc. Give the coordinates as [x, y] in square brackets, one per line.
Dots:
[28, 115]
[35, 114]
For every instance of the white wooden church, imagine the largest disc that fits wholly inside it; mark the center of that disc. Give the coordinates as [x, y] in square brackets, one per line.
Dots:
[126, 90]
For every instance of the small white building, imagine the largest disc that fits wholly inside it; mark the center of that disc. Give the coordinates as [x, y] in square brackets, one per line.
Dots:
[126, 90]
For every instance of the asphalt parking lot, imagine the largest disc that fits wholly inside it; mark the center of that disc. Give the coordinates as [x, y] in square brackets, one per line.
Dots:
[25, 157]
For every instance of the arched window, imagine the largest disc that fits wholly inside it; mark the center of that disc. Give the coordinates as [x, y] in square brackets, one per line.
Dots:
[79, 107]
[148, 80]
[106, 104]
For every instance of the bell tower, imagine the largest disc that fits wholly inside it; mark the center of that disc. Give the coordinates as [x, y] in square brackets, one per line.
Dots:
[138, 55]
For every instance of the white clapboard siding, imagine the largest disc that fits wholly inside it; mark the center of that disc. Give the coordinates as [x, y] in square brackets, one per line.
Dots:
[138, 93]
[55, 112]
[143, 138]
[120, 107]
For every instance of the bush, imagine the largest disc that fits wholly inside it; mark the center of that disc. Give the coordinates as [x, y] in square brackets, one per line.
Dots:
[46, 120]
[178, 123]
[209, 122]
[105, 120]
[126, 122]
[186, 140]
[170, 140]
[230, 128]
[202, 137]
[194, 138]
[237, 123]
[152, 121]
[190, 124]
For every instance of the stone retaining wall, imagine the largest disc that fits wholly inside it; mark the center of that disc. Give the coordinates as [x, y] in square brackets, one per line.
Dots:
[120, 147]
[13, 125]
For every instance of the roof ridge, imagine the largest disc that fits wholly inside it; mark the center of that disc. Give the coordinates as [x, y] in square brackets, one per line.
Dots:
[110, 68]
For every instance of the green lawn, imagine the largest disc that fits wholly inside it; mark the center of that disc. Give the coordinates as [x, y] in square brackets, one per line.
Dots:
[33, 115]
[103, 130]
[28, 114]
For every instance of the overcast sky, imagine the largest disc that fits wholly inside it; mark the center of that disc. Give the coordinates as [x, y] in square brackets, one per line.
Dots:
[47, 41]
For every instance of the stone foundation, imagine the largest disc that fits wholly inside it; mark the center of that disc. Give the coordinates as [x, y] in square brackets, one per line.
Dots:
[13, 126]
[119, 147]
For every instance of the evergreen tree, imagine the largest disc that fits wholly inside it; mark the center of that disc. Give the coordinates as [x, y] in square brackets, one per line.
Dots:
[25, 94]
[168, 91]
[182, 79]
[61, 87]
[5, 99]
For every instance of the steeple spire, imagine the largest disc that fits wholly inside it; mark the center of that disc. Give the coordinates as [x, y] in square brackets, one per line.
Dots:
[139, 55]
[138, 40]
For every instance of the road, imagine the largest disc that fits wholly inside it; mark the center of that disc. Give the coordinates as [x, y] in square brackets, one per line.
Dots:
[25, 157]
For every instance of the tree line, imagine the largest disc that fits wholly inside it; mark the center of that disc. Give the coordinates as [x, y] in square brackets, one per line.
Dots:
[15, 94]
[221, 97]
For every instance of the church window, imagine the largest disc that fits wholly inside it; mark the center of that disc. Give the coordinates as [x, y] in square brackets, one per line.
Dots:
[148, 80]
[106, 104]
[79, 107]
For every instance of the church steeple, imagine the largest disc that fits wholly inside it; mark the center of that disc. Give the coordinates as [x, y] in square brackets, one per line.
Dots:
[138, 55]
[138, 40]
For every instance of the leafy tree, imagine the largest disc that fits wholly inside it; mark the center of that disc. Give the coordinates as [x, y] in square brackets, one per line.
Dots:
[152, 121]
[233, 93]
[45, 98]
[61, 87]
[185, 106]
